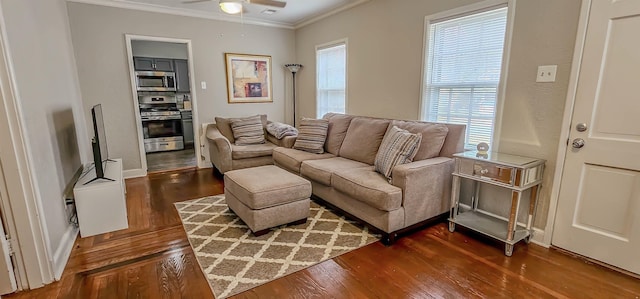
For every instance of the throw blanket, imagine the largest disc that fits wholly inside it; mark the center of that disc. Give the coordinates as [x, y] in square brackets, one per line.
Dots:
[280, 130]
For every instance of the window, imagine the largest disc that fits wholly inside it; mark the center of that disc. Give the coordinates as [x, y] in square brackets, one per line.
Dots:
[331, 68]
[462, 71]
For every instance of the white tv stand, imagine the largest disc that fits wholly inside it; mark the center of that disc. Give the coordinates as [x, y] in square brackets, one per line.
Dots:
[101, 204]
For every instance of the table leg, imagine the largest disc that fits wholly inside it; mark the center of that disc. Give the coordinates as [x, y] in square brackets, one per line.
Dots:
[513, 216]
[476, 195]
[455, 198]
[533, 201]
[513, 221]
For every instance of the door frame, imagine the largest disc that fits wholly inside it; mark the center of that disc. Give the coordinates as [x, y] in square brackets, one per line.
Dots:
[134, 95]
[21, 204]
[576, 65]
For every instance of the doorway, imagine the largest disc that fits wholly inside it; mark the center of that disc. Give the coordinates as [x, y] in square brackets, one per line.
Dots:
[164, 100]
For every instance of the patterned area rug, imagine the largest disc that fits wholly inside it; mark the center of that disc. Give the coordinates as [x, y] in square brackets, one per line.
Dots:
[233, 260]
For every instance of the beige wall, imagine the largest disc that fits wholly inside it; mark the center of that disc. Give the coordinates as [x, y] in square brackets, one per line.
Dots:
[147, 48]
[99, 42]
[532, 118]
[385, 44]
[48, 96]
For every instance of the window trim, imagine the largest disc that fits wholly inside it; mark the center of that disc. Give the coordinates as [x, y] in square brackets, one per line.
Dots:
[334, 43]
[504, 72]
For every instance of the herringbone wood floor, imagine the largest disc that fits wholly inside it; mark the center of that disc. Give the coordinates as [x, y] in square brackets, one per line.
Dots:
[152, 259]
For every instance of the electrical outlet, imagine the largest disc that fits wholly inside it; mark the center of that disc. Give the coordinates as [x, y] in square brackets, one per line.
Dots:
[547, 73]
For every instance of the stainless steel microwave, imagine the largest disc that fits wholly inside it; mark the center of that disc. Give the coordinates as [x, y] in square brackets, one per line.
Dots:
[155, 81]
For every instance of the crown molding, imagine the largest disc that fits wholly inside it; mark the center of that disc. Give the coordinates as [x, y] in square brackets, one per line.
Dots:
[312, 20]
[215, 15]
[183, 12]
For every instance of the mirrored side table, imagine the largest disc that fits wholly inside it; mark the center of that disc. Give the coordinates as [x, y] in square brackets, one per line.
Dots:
[515, 173]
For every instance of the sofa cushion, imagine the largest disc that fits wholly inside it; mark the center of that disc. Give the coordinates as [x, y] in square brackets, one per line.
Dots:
[251, 151]
[321, 170]
[454, 143]
[311, 136]
[291, 159]
[363, 139]
[398, 147]
[338, 125]
[224, 126]
[433, 136]
[368, 186]
[248, 130]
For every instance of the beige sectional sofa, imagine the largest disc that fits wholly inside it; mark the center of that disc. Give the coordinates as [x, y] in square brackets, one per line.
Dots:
[344, 175]
[225, 155]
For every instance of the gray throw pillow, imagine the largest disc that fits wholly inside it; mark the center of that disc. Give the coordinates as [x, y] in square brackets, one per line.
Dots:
[398, 147]
[248, 130]
[311, 135]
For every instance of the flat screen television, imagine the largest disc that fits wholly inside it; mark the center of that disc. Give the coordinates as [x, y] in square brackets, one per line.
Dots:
[99, 144]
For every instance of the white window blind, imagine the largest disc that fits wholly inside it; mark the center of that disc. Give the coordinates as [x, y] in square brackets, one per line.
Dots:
[331, 74]
[462, 72]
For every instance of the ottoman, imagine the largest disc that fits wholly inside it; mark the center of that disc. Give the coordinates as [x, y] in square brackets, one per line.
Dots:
[267, 196]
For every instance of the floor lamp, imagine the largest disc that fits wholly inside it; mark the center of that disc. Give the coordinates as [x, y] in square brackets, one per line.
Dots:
[294, 68]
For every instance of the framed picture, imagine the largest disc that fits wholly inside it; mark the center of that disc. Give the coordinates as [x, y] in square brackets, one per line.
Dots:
[248, 78]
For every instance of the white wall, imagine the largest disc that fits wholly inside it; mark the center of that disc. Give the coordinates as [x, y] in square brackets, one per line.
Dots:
[385, 65]
[48, 96]
[99, 42]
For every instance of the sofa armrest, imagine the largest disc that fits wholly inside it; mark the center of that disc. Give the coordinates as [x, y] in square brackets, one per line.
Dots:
[219, 149]
[426, 187]
[286, 141]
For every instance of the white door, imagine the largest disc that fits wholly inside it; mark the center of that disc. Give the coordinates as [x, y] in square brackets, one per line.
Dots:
[7, 276]
[599, 205]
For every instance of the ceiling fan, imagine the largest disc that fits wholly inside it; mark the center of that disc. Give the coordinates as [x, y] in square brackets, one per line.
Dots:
[235, 6]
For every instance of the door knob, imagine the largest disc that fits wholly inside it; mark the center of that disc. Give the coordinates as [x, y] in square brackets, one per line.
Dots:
[581, 127]
[578, 143]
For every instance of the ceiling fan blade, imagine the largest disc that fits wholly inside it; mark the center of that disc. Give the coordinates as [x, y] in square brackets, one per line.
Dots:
[194, 1]
[273, 3]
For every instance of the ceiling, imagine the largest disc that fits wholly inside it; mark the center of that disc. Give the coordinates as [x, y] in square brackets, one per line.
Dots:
[295, 14]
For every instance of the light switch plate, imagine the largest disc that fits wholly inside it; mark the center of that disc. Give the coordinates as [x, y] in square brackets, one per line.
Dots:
[547, 73]
[203, 85]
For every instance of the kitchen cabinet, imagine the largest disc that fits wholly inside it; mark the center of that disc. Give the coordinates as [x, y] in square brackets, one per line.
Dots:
[153, 64]
[182, 75]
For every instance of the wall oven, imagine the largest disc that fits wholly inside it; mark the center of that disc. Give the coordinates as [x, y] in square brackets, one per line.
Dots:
[155, 81]
[161, 123]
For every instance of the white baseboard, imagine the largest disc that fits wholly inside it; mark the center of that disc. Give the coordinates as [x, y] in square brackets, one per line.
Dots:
[204, 164]
[538, 238]
[134, 173]
[62, 253]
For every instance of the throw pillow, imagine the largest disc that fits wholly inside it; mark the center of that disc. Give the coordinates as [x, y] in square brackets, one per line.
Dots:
[398, 147]
[311, 135]
[224, 126]
[248, 130]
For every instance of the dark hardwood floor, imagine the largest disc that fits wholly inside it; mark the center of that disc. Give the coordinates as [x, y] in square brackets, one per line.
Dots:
[152, 259]
[164, 161]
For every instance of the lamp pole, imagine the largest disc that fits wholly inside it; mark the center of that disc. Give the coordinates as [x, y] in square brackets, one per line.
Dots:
[294, 68]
